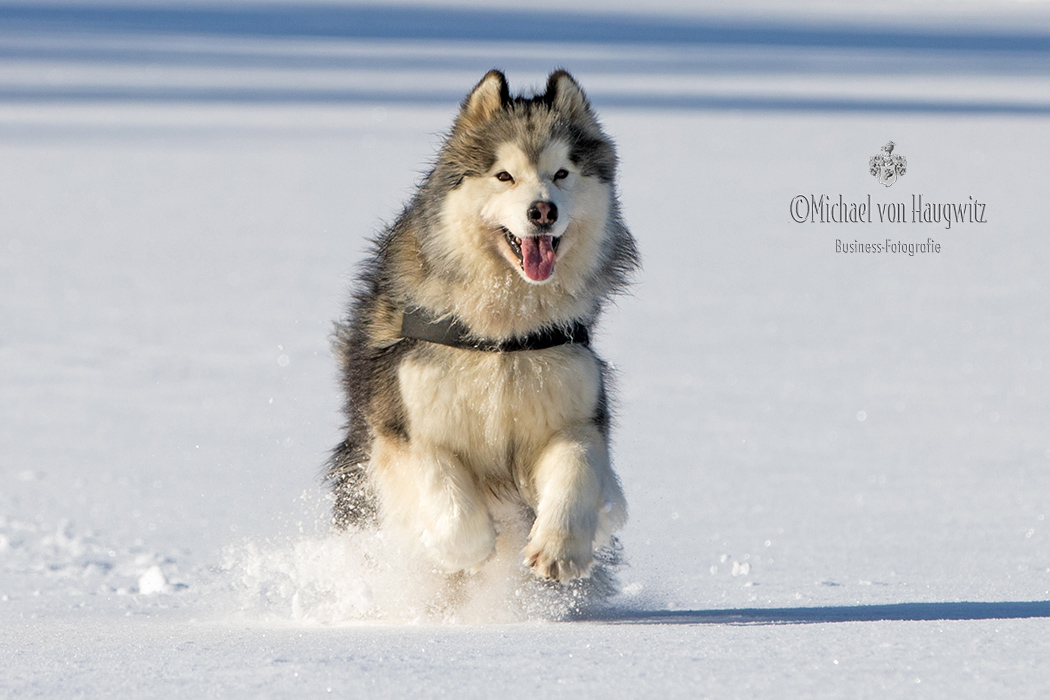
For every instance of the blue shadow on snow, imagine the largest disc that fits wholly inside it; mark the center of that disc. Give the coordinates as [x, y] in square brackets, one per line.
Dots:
[758, 103]
[768, 47]
[476, 24]
[895, 612]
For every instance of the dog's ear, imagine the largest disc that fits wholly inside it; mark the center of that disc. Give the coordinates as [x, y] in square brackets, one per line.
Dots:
[566, 95]
[485, 99]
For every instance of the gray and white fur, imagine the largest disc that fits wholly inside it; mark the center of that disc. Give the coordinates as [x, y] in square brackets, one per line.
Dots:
[516, 229]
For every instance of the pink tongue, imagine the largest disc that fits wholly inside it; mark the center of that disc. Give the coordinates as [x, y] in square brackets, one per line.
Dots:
[537, 257]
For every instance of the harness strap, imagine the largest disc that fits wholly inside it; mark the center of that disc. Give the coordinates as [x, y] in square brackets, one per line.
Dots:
[420, 325]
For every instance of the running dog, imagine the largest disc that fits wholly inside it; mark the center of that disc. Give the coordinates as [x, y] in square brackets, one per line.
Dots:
[465, 354]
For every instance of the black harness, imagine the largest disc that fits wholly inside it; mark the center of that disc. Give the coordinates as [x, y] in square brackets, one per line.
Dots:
[420, 325]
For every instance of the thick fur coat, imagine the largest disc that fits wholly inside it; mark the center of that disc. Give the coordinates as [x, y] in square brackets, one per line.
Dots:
[516, 230]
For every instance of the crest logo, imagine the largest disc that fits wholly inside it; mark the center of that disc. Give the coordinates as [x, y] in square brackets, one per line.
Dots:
[887, 167]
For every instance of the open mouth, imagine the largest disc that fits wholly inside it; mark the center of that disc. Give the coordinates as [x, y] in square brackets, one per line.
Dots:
[535, 254]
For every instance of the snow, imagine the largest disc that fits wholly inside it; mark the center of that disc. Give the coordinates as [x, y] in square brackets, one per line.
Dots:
[838, 465]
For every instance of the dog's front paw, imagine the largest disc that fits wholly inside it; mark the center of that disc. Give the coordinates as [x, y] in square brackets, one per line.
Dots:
[461, 544]
[559, 557]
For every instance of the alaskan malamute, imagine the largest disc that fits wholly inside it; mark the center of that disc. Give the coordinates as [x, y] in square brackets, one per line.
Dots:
[466, 359]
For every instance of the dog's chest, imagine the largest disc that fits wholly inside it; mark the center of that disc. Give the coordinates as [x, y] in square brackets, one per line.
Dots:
[481, 403]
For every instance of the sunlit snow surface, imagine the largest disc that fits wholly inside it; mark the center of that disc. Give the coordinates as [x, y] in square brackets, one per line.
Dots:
[838, 465]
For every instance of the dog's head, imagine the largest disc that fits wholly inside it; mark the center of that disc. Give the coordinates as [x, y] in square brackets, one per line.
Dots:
[528, 180]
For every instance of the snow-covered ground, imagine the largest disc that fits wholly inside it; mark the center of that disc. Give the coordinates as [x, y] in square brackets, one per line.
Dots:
[838, 465]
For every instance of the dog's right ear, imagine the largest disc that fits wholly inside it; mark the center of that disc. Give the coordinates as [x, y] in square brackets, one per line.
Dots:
[484, 100]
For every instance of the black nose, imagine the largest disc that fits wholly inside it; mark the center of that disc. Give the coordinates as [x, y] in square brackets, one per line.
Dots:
[543, 213]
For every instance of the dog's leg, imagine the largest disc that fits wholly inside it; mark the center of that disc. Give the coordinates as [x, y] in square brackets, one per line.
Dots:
[578, 505]
[429, 494]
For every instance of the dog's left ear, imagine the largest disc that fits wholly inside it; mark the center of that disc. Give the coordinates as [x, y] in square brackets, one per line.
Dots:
[566, 95]
[487, 97]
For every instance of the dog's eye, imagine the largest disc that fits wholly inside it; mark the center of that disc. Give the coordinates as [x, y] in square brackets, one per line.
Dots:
[504, 176]
[561, 174]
